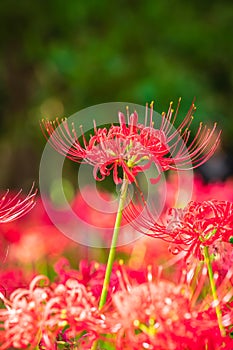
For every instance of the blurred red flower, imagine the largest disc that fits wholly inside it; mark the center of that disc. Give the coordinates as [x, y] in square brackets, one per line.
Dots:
[90, 274]
[160, 316]
[144, 312]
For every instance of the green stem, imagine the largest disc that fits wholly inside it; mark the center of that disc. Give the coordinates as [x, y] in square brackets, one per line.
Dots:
[111, 256]
[214, 291]
[112, 252]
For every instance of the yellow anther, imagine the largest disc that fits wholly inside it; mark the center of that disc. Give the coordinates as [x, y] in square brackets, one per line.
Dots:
[97, 265]
[121, 262]
[63, 324]
[63, 314]
[136, 323]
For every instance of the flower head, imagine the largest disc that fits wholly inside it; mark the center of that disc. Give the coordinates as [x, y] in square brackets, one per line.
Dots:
[133, 147]
[159, 314]
[13, 207]
[90, 274]
[190, 229]
[38, 315]
[148, 314]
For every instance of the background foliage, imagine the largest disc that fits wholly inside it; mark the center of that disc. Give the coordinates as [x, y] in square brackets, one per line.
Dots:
[59, 57]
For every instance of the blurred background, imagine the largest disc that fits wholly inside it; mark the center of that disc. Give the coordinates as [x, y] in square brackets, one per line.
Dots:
[59, 57]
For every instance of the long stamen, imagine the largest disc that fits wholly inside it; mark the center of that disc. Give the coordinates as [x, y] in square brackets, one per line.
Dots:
[146, 114]
[151, 114]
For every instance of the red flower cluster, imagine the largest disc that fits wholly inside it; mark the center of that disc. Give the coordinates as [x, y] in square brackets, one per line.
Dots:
[141, 313]
[199, 224]
[160, 316]
[133, 146]
[146, 316]
[38, 315]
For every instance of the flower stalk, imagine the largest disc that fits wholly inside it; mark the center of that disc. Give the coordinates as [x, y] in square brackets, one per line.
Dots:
[213, 290]
[112, 252]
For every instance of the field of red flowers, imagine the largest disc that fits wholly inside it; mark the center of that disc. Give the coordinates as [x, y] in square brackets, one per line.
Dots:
[169, 289]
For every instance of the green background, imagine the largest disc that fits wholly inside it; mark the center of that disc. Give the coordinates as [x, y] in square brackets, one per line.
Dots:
[58, 57]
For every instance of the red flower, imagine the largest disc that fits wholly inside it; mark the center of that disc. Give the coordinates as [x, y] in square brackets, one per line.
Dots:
[152, 313]
[90, 274]
[160, 316]
[23, 317]
[133, 147]
[38, 315]
[199, 224]
[12, 278]
[13, 207]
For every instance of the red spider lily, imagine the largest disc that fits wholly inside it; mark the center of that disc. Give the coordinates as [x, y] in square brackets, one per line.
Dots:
[146, 315]
[23, 316]
[160, 316]
[38, 315]
[133, 147]
[13, 207]
[13, 278]
[199, 224]
[90, 274]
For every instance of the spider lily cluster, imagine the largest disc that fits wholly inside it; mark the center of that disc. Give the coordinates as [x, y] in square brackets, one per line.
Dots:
[144, 311]
[145, 303]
